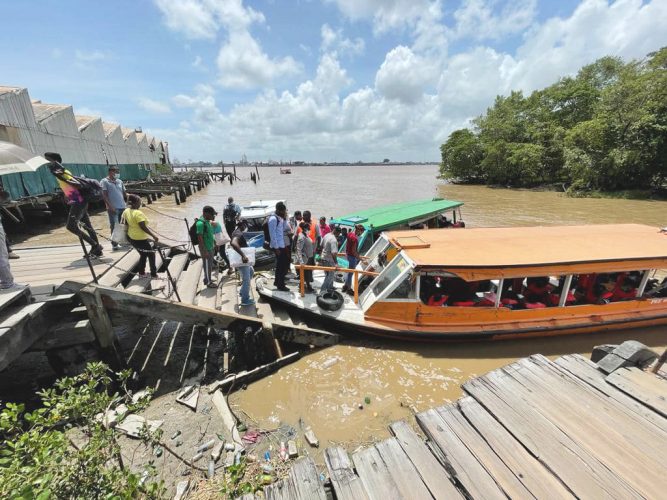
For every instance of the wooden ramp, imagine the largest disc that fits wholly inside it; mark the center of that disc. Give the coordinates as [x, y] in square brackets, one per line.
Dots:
[532, 429]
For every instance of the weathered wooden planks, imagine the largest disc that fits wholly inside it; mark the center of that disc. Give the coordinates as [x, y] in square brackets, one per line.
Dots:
[459, 460]
[12, 295]
[303, 483]
[585, 371]
[139, 284]
[433, 474]
[403, 472]
[114, 275]
[189, 281]
[523, 413]
[648, 388]
[346, 483]
[175, 268]
[19, 330]
[374, 475]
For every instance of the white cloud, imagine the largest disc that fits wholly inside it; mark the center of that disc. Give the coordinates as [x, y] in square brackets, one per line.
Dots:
[198, 64]
[190, 17]
[88, 56]
[404, 75]
[153, 106]
[333, 40]
[476, 19]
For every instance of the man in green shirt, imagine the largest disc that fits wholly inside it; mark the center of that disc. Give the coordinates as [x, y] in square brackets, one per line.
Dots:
[207, 243]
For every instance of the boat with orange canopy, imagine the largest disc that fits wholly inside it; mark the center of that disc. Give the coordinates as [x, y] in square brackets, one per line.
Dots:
[498, 283]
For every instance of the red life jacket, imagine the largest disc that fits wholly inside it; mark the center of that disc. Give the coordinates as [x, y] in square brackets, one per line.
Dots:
[433, 302]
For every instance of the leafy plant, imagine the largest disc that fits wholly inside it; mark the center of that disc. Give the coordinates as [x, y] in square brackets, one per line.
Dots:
[63, 449]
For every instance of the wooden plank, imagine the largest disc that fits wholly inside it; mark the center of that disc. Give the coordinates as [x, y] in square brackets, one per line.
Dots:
[374, 475]
[280, 490]
[457, 458]
[304, 335]
[535, 477]
[435, 476]
[175, 268]
[403, 472]
[244, 377]
[648, 388]
[305, 480]
[581, 472]
[101, 323]
[139, 285]
[65, 335]
[586, 371]
[229, 299]
[189, 281]
[207, 297]
[228, 420]
[13, 295]
[116, 274]
[346, 483]
[627, 446]
[19, 330]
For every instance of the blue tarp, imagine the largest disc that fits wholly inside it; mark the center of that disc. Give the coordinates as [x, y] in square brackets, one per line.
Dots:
[43, 182]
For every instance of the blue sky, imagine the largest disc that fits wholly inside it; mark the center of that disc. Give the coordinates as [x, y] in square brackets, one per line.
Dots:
[317, 80]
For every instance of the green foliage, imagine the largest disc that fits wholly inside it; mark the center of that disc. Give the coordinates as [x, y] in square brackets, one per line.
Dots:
[61, 450]
[603, 130]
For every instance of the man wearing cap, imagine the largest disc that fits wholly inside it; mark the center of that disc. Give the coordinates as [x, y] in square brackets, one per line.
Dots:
[238, 243]
[114, 194]
[207, 243]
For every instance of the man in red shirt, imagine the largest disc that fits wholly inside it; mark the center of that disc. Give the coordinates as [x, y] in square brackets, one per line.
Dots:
[353, 257]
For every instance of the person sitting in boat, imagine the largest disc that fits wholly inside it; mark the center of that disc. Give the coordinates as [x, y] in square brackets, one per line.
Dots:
[537, 292]
[443, 221]
[509, 297]
[459, 292]
[602, 289]
[626, 287]
[437, 299]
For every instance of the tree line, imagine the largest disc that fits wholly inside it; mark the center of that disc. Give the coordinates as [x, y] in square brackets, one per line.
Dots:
[603, 130]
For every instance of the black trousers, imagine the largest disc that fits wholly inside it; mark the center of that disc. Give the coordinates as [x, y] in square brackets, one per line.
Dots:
[79, 213]
[146, 251]
[282, 266]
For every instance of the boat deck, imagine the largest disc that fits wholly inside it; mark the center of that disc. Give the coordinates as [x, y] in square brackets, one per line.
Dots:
[534, 428]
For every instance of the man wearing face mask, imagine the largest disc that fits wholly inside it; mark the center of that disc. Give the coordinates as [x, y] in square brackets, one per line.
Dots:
[114, 194]
[238, 242]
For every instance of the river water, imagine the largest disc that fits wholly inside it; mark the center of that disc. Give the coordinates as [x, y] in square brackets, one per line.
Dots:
[325, 388]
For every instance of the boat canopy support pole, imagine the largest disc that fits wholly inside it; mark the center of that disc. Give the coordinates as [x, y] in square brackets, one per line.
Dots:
[499, 293]
[565, 291]
[642, 284]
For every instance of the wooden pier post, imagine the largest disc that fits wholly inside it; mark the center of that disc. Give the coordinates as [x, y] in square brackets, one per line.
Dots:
[101, 323]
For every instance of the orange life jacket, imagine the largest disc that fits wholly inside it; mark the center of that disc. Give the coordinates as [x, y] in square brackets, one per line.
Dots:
[312, 233]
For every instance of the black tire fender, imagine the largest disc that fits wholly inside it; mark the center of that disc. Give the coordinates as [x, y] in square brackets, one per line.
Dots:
[330, 301]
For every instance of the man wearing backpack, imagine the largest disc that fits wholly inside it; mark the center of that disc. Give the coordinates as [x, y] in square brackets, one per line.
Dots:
[276, 226]
[78, 205]
[207, 243]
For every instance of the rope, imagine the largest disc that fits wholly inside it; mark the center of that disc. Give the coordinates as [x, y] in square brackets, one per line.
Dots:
[163, 214]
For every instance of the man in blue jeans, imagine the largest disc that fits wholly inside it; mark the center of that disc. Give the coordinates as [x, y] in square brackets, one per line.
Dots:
[114, 194]
[353, 257]
[238, 242]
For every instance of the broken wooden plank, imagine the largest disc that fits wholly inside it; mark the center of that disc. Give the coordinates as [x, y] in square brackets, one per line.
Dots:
[311, 438]
[434, 475]
[189, 282]
[647, 388]
[403, 472]
[375, 476]
[14, 295]
[347, 485]
[189, 397]
[305, 480]
[228, 420]
[245, 377]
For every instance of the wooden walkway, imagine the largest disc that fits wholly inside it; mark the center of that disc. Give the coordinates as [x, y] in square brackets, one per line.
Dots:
[534, 428]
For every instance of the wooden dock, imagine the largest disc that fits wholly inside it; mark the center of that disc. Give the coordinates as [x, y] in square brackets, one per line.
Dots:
[534, 428]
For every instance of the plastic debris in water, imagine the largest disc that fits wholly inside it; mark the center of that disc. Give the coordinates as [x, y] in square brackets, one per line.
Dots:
[267, 456]
[175, 435]
[367, 400]
[206, 446]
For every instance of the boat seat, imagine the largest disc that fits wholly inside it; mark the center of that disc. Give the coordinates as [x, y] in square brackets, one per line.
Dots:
[466, 303]
[535, 305]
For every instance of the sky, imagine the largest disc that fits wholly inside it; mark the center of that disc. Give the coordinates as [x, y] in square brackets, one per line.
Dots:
[308, 80]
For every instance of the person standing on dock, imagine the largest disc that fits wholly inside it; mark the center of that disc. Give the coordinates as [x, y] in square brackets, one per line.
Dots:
[207, 243]
[276, 225]
[329, 258]
[138, 233]
[6, 277]
[305, 254]
[78, 206]
[230, 215]
[114, 194]
[238, 242]
[353, 257]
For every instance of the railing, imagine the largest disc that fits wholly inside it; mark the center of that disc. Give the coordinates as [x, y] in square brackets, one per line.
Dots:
[302, 284]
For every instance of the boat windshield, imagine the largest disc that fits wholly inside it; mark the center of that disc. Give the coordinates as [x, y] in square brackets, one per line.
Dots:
[255, 223]
[387, 281]
[380, 246]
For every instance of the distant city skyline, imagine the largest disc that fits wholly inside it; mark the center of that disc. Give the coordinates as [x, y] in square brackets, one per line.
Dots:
[312, 80]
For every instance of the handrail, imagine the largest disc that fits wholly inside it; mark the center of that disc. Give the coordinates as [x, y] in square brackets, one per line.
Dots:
[356, 272]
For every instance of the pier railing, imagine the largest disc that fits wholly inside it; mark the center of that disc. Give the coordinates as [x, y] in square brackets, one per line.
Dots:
[303, 267]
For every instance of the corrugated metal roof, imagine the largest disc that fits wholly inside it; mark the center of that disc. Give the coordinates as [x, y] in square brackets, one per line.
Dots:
[127, 132]
[8, 90]
[109, 128]
[83, 121]
[45, 111]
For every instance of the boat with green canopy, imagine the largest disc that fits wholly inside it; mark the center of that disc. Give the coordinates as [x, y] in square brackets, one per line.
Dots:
[420, 214]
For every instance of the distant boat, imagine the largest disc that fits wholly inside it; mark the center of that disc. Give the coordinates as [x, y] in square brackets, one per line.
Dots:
[285, 170]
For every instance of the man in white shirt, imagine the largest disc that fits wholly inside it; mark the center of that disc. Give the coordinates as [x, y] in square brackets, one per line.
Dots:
[114, 194]
[329, 258]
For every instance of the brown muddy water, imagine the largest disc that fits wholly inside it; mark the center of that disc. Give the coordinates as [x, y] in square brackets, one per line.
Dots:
[325, 388]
